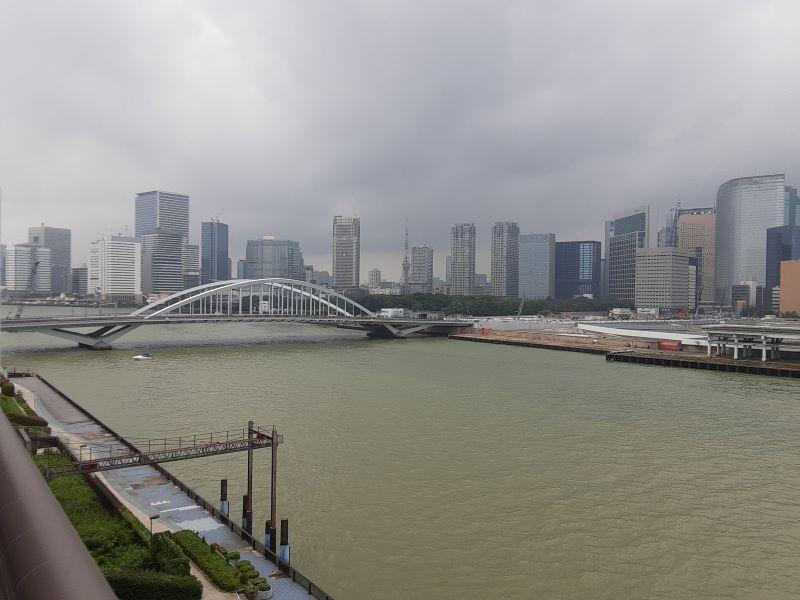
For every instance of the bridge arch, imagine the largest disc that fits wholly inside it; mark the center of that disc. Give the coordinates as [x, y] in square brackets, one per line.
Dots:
[270, 296]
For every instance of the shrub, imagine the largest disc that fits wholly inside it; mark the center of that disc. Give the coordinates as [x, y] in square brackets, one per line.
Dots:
[244, 565]
[263, 587]
[139, 530]
[167, 555]
[233, 556]
[149, 585]
[211, 563]
[7, 388]
[26, 420]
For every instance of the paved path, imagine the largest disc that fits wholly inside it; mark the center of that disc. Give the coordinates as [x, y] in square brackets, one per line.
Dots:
[146, 492]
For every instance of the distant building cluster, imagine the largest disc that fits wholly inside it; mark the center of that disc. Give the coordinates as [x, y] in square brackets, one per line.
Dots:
[741, 253]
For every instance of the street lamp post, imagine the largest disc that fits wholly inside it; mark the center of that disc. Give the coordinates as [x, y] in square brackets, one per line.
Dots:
[153, 518]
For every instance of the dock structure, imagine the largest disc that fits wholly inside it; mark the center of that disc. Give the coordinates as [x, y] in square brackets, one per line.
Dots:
[145, 488]
[744, 341]
[700, 361]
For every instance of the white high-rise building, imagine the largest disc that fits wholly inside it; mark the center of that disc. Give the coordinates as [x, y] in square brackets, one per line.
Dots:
[346, 252]
[746, 208]
[115, 269]
[421, 270]
[462, 259]
[537, 266]
[505, 260]
[19, 261]
[374, 279]
[665, 279]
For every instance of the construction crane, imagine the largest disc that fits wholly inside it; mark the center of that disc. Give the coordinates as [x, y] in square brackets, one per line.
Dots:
[28, 289]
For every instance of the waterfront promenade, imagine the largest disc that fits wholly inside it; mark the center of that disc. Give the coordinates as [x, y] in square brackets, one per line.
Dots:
[145, 491]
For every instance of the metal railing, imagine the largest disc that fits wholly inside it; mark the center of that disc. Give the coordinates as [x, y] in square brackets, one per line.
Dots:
[41, 555]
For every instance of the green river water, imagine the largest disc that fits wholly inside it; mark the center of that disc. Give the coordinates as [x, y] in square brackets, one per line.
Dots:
[434, 468]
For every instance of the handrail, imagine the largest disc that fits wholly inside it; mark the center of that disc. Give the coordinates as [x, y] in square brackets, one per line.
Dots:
[41, 555]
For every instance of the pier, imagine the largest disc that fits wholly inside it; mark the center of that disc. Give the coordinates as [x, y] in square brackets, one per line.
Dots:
[707, 363]
[145, 488]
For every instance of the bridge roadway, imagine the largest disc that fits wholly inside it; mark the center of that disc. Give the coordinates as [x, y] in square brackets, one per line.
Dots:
[108, 328]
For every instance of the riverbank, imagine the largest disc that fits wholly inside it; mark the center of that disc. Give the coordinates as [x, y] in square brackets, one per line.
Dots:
[633, 351]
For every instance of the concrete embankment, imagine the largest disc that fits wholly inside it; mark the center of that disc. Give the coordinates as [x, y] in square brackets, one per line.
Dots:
[633, 351]
[571, 342]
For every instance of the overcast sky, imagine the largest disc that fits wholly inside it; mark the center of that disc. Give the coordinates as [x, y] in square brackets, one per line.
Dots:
[554, 114]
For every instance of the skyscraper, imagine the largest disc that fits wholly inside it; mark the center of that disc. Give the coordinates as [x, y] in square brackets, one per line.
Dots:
[346, 252]
[269, 257]
[60, 244]
[162, 227]
[577, 269]
[537, 268]
[191, 265]
[166, 211]
[746, 208]
[421, 270]
[80, 281]
[215, 264]
[664, 279]
[696, 232]
[505, 259]
[115, 269]
[374, 279]
[631, 231]
[462, 259]
[162, 262]
[405, 274]
[783, 243]
[20, 260]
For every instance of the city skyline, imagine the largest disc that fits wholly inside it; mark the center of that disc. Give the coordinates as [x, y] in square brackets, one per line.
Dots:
[586, 111]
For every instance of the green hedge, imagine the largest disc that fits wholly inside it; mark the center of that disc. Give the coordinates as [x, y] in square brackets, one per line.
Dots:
[149, 585]
[210, 562]
[7, 388]
[27, 421]
[167, 555]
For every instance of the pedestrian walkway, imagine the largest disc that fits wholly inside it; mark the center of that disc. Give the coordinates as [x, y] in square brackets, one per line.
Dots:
[145, 491]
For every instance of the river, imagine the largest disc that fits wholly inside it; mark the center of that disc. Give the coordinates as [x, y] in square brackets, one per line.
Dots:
[434, 468]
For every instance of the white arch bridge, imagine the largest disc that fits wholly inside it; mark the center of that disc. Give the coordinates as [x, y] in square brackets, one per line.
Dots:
[236, 300]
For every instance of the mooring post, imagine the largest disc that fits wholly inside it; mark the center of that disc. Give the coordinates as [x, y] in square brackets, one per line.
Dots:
[285, 554]
[244, 512]
[249, 507]
[273, 491]
[267, 529]
[224, 505]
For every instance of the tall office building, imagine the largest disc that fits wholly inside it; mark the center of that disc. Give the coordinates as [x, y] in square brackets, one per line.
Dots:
[609, 232]
[240, 268]
[373, 279]
[746, 208]
[783, 243]
[791, 206]
[537, 266]
[665, 279]
[695, 233]
[162, 227]
[346, 252]
[631, 231]
[2, 264]
[19, 262]
[191, 265]
[162, 262]
[462, 259]
[80, 281]
[215, 264]
[448, 269]
[59, 241]
[577, 270]
[505, 259]
[421, 270]
[166, 211]
[269, 257]
[115, 269]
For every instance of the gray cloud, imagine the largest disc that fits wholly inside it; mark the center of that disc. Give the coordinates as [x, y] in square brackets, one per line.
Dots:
[553, 114]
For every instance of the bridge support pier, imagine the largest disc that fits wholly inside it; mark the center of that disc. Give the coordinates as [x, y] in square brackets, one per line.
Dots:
[99, 339]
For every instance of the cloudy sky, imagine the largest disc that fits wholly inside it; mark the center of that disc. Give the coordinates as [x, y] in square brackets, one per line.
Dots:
[280, 115]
